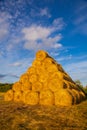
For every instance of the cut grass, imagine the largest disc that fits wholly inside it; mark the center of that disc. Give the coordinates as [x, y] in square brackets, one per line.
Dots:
[18, 116]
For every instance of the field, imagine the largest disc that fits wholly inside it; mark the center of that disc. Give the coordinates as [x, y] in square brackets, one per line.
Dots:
[18, 116]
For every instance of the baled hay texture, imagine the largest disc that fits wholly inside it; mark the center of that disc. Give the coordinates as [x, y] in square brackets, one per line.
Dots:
[63, 97]
[56, 75]
[17, 86]
[60, 68]
[24, 77]
[46, 97]
[55, 84]
[32, 98]
[69, 84]
[43, 77]
[51, 68]
[82, 95]
[18, 96]
[74, 96]
[41, 55]
[78, 96]
[67, 78]
[40, 70]
[33, 78]
[24, 93]
[36, 63]
[37, 86]
[26, 86]
[8, 96]
[48, 61]
[31, 70]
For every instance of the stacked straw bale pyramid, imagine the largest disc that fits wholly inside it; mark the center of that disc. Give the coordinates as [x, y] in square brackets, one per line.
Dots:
[45, 83]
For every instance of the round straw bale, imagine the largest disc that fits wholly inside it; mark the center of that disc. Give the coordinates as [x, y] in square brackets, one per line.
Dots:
[18, 96]
[33, 78]
[82, 95]
[48, 61]
[24, 94]
[41, 55]
[8, 96]
[31, 70]
[46, 97]
[51, 68]
[63, 97]
[37, 86]
[78, 96]
[40, 70]
[56, 75]
[26, 86]
[67, 78]
[32, 98]
[24, 77]
[74, 96]
[36, 63]
[16, 86]
[55, 84]
[60, 68]
[43, 77]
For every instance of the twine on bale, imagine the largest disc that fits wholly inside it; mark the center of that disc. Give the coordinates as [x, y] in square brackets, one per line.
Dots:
[32, 98]
[41, 55]
[46, 97]
[8, 96]
[17, 86]
[63, 97]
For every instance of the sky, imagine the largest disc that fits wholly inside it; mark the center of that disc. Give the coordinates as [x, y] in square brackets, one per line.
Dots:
[56, 26]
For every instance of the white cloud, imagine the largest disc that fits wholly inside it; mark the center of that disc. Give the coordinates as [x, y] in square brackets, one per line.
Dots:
[40, 37]
[16, 64]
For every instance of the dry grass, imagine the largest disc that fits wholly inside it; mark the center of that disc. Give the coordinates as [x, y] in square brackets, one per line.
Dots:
[17, 116]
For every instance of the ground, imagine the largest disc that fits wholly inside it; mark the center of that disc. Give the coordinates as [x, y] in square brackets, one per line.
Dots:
[18, 116]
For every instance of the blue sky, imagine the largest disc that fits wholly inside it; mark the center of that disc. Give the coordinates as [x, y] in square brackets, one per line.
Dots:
[57, 26]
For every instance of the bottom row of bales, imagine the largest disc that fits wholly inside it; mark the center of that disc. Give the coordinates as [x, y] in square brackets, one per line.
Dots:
[65, 97]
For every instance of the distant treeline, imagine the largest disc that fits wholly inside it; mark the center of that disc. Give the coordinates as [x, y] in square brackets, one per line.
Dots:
[4, 87]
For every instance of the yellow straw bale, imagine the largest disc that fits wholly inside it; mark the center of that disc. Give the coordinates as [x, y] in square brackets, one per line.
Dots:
[67, 78]
[8, 96]
[18, 96]
[37, 86]
[32, 98]
[33, 78]
[40, 70]
[24, 94]
[31, 70]
[56, 75]
[55, 84]
[63, 97]
[82, 95]
[24, 77]
[17, 86]
[60, 68]
[43, 77]
[46, 97]
[26, 86]
[41, 55]
[78, 96]
[48, 61]
[51, 68]
[36, 63]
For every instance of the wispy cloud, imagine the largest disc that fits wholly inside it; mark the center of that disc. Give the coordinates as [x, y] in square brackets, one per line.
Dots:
[16, 64]
[40, 37]
[80, 20]
[4, 25]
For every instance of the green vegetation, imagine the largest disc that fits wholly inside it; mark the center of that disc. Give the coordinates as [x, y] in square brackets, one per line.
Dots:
[4, 87]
